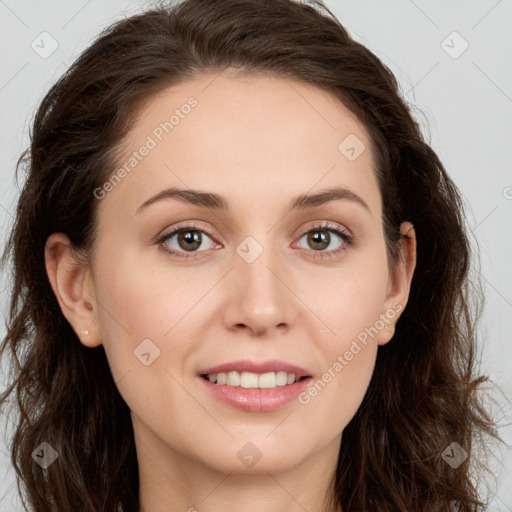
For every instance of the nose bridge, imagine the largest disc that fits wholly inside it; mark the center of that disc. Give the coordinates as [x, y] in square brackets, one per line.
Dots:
[257, 263]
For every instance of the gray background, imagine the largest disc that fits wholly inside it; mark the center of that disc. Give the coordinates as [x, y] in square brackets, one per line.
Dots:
[463, 100]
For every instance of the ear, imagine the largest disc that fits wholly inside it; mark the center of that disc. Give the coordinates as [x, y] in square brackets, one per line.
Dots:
[73, 287]
[399, 283]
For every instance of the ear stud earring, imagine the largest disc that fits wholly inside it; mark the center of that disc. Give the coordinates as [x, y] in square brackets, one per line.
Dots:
[86, 332]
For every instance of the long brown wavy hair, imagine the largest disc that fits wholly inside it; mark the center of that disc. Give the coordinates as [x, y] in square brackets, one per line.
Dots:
[424, 394]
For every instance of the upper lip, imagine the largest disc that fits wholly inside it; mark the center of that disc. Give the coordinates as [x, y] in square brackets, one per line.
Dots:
[246, 365]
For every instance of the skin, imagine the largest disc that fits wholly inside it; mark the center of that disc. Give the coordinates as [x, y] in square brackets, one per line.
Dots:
[259, 142]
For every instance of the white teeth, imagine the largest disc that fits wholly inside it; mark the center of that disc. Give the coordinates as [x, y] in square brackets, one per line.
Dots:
[248, 380]
[233, 379]
[281, 378]
[253, 380]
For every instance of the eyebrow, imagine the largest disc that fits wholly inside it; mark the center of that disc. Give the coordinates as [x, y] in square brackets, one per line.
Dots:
[217, 202]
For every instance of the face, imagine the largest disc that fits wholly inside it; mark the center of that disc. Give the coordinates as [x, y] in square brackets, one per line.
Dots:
[257, 274]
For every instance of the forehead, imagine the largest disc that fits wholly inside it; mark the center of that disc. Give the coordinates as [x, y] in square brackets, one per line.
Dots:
[249, 138]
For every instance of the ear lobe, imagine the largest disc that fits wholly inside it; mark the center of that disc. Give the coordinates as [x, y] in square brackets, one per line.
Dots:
[70, 279]
[400, 279]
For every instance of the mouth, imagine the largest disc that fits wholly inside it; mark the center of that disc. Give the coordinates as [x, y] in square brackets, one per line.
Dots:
[249, 374]
[255, 399]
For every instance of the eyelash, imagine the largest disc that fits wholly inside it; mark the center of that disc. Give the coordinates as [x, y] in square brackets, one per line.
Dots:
[348, 239]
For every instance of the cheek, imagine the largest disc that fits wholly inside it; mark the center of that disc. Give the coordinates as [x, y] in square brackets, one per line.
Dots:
[149, 309]
[350, 298]
[141, 294]
[143, 320]
[358, 304]
[333, 398]
[135, 304]
[350, 304]
[348, 354]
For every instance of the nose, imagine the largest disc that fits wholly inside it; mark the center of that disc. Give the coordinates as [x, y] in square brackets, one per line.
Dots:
[260, 298]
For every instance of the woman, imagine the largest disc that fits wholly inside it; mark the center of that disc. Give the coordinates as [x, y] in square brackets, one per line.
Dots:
[240, 278]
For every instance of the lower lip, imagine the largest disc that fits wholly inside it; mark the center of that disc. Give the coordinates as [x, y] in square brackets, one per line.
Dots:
[255, 399]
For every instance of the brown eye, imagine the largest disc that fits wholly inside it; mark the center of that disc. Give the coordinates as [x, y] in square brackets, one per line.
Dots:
[319, 240]
[188, 239]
